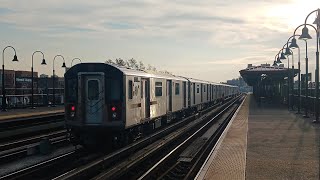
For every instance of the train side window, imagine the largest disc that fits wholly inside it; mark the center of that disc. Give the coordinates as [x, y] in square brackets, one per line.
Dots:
[204, 88]
[158, 88]
[130, 89]
[198, 89]
[177, 90]
[93, 90]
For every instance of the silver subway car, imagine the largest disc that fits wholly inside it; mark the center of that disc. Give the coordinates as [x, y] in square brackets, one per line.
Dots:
[105, 103]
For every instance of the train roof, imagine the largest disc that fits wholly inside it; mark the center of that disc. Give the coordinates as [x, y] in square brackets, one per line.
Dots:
[153, 74]
[134, 72]
[197, 80]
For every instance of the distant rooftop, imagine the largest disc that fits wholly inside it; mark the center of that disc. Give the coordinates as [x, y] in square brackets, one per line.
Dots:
[265, 67]
[252, 74]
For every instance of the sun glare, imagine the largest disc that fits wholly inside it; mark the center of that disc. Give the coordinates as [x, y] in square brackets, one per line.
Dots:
[294, 13]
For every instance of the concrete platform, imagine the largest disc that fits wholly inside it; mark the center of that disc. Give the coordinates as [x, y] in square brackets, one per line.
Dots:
[28, 112]
[265, 142]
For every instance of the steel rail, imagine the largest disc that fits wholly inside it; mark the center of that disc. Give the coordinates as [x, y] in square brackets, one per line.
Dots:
[190, 138]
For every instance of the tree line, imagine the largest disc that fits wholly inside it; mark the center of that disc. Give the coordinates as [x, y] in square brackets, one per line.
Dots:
[134, 64]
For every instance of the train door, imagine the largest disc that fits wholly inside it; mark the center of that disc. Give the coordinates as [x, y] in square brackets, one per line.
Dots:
[194, 93]
[94, 97]
[145, 100]
[201, 92]
[169, 95]
[207, 92]
[189, 93]
[184, 94]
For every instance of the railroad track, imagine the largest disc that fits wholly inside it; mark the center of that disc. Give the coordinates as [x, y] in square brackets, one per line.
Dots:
[143, 163]
[184, 161]
[31, 172]
[118, 164]
[20, 128]
[84, 165]
[13, 150]
[21, 137]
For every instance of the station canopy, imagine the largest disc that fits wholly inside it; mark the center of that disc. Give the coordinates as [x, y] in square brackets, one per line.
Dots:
[253, 74]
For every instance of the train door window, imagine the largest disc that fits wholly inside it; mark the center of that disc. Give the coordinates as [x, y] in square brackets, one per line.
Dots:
[204, 88]
[177, 89]
[142, 90]
[198, 89]
[93, 89]
[130, 89]
[158, 88]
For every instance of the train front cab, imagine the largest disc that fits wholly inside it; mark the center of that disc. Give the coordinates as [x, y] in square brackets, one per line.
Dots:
[93, 101]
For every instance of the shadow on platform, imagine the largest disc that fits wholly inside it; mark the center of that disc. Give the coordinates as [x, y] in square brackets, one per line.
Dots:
[281, 144]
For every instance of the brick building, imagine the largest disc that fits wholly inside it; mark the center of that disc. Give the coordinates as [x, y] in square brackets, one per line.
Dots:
[18, 88]
[9, 81]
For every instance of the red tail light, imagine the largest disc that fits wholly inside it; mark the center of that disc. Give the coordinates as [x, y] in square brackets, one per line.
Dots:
[73, 108]
[113, 108]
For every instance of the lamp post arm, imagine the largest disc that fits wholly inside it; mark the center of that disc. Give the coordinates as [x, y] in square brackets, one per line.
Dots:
[33, 55]
[305, 21]
[294, 35]
[4, 50]
[56, 57]
[281, 49]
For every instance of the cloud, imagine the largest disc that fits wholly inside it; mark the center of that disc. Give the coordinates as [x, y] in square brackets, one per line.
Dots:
[206, 34]
[4, 11]
[121, 25]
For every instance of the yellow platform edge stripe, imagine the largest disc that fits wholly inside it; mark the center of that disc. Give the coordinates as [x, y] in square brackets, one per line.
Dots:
[14, 116]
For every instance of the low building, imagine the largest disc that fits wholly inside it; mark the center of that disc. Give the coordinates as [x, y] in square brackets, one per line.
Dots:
[18, 88]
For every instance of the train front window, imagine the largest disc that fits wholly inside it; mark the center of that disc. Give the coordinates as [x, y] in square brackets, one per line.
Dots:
[115, 90]
[93, 90]
[71, 90]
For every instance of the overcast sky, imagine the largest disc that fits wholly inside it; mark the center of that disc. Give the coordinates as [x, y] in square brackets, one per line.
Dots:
[210, 40]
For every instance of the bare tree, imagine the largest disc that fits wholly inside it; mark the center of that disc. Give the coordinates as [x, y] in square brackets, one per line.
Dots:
[121, 62]
[109, 61]
[141, 66]
[133, 63]
[154, 69]
[167, 72]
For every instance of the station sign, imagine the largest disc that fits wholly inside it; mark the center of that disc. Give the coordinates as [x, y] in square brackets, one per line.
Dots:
[23, 80]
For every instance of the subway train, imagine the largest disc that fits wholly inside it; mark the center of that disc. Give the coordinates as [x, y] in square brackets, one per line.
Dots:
[110, 104]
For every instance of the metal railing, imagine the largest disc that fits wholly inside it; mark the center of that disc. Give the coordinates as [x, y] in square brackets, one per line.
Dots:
[23, 101]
